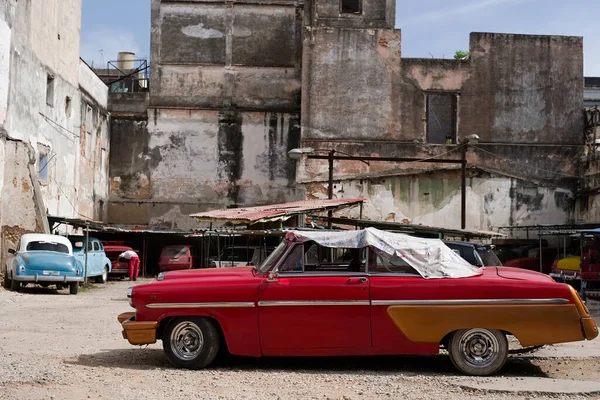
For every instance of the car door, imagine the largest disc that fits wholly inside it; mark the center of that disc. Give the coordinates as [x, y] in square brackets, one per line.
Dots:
[396, 287]
[303, 310]
[97, 259]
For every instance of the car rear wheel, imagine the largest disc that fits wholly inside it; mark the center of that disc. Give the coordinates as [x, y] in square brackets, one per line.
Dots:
[104, 277]
[478, 351]
[15, 285]
[74, 288]
[191, 343]
[6, 282]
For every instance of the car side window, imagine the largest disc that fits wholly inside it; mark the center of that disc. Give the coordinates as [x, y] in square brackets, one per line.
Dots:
[293, 263]
[380, 262]
[96, 246]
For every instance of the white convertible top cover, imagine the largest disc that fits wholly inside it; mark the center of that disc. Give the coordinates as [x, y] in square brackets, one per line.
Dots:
[429, 257]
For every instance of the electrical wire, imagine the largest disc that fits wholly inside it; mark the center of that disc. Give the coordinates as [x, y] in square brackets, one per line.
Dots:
[69, 200]
[525, 165]
[56, 126]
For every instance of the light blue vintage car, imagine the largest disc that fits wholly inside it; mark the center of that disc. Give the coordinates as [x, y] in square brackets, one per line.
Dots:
[98, 265]
[45, 260]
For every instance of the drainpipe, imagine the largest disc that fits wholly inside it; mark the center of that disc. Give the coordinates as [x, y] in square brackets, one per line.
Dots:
[87, 244]
[330, 187]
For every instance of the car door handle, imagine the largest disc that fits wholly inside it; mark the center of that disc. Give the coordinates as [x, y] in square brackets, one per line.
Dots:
[362, 279]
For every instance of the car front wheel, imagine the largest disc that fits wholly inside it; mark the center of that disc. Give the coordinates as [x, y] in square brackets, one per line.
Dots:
[191, 343]
[478, 351]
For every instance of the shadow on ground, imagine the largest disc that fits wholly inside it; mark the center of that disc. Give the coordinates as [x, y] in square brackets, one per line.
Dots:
[152, 358]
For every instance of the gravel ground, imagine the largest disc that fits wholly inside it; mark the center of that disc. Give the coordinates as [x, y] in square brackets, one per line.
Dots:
[57, 346]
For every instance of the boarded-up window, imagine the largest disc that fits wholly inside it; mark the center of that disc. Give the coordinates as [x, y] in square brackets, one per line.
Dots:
[441, 118]
[350, 6]
[89, 128]
[50, 90]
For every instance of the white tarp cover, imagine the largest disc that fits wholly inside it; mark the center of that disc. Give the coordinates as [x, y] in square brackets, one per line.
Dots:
[429, 257]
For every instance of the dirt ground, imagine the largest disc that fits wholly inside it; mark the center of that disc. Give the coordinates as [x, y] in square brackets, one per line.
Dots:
[57, 346]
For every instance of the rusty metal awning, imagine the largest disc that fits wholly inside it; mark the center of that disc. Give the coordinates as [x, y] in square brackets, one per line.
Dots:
[274, 212]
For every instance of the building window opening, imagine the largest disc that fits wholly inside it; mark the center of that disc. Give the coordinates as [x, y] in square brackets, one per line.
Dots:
[442, 118]
[68, 106]
[50, 90]
[43, 162]
[350, 6]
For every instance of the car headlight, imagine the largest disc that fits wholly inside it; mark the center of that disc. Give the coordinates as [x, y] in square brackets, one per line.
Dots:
[129, 293]
[160, 276]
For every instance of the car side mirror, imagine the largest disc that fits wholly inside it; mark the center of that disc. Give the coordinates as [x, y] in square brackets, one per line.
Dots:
[12, 251]
[272, 277]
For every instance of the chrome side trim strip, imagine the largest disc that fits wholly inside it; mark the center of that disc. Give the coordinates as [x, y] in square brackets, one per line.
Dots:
[203, 305]
[314, 303]
[467, 302]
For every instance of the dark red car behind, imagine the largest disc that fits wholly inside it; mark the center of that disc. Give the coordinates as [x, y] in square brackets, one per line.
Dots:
[177, 257]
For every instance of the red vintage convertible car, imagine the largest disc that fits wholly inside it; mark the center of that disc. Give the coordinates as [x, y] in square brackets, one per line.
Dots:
[396, 295]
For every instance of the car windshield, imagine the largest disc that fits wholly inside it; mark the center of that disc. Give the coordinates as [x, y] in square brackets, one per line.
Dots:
[489, 258]
[47, 246]
[273, 257]
[175, 251]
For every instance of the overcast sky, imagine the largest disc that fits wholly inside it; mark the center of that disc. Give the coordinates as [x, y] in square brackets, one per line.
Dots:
[429, 27]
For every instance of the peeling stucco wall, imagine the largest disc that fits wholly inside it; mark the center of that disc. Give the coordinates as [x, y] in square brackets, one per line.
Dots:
[191, 161]
[41, 116]
[433, 199]
[222, 113]
[522, 95]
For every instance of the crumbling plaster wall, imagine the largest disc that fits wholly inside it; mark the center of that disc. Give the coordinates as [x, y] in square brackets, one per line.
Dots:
[433, 199]
[42, 115]
[518, 93]
[198, 160]
[223, 111]
[524, 89]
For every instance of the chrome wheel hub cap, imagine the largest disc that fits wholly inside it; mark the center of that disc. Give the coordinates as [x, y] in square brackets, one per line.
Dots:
[479, 348]
[187, 341]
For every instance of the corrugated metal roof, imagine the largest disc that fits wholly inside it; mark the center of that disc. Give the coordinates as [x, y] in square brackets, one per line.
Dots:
[273, 212]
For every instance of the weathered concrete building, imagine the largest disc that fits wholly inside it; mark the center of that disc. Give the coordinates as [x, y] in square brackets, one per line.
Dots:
[54, 140]
[234, 86]
[515, 92]
[223, 112]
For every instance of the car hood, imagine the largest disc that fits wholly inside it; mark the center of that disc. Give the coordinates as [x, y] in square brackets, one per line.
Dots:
[208, 273]
[48, 260]
[522, 274]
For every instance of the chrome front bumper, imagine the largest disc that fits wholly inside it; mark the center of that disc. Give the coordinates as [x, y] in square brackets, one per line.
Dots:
[48, 278]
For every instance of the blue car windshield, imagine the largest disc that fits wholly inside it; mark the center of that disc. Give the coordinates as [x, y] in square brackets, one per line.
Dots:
[47, 246]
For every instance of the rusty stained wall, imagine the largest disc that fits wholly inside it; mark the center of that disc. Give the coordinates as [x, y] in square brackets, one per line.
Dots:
[223, 112]
[395, 191]
[351, 84]
[225, 55]
[433, 199]
[520, 94]
[512, 89]
[187, 161]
